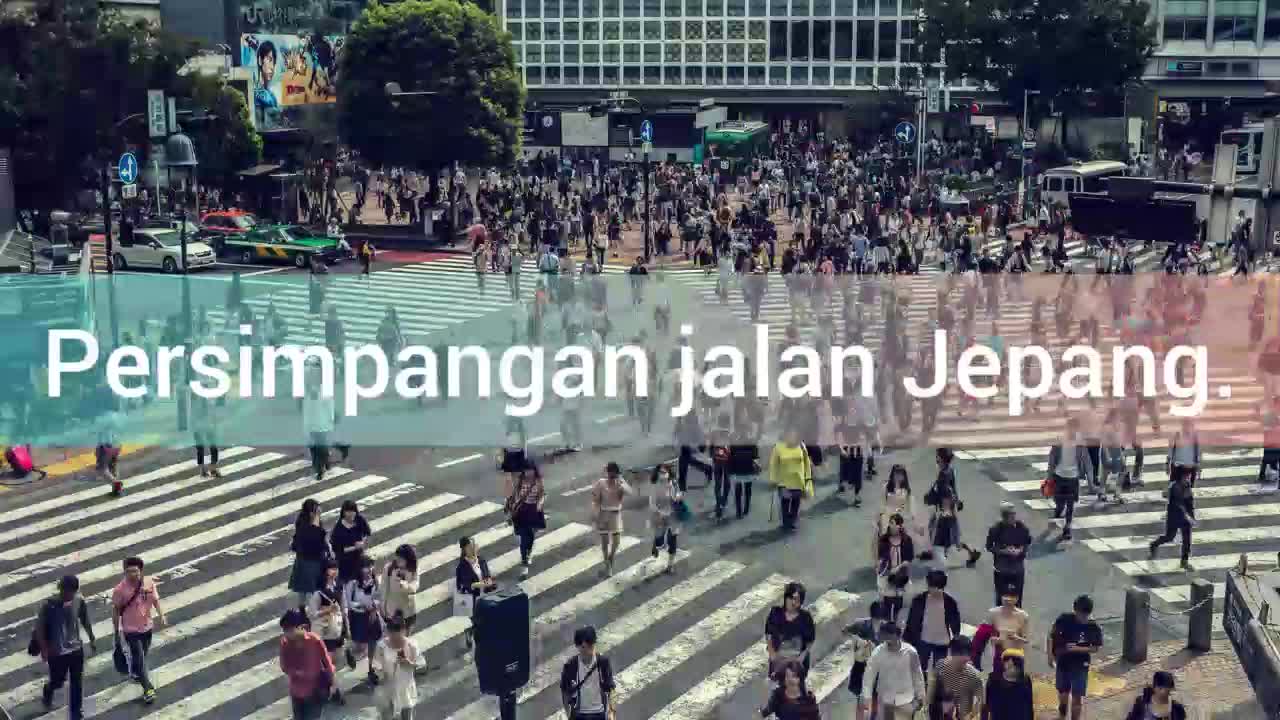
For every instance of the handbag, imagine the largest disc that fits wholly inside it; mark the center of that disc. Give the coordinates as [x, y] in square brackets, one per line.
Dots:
[117, 654]
[1048, 487]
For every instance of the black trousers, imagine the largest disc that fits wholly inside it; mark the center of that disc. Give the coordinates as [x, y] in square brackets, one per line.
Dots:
[742, 497]
[682, 469]
[790, 503]
[60, 668]
[139, 646]
[721, 475]
[1174, 525]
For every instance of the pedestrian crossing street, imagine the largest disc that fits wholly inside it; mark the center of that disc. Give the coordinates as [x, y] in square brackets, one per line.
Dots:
[1236, 515]
[682, 644]
[430, 298]
[985, 424]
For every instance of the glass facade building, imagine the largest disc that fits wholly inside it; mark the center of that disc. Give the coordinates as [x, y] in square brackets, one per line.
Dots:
[832, 44]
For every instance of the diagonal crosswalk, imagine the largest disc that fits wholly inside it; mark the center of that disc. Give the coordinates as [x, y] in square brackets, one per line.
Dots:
[682, 643]
[1236, 516]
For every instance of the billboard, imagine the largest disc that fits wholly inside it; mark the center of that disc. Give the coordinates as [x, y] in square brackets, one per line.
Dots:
[579, 129]
[289, 72]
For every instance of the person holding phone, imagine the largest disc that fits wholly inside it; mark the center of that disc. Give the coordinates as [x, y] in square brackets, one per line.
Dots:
[473, 579]
[1073, 641]
[397, 657]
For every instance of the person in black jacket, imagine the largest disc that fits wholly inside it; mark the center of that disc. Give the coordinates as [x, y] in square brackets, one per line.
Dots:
[930, 642]
[1009, 694]
[586, 680]
[1008, 541]
[744, 465]
[472, 578]
[1155, 700]
[1180, 517]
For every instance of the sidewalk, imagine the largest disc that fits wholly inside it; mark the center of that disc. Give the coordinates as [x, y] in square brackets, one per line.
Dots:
[1211, 685]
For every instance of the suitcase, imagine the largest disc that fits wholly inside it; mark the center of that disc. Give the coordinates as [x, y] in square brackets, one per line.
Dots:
[19, 459]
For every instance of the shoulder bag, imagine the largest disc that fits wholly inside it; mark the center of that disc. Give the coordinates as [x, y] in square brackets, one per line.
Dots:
[574, 696]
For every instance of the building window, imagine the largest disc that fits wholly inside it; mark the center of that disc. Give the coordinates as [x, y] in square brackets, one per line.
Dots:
[631, 30]
[736, 30]
[715, 30]
[800, 40]
[756, 53]
[715, 8]
[652, 52]
[778, 40]
[631, 76]
[888, 8]
[822, 8]
[692, 75]
[693, 52]
[844, 8]
[610, 74]
[886, 76]
[866, 8]
[800, 8]
[514, 9]
[652, 75]
[737, 8]
[755, 30]
[672, 75]
[909, 8]
[737, 75]
[533, 75]
[551, 54]
[757, 75]
[612, 54]
[715, 53]
[631, 8]
[571, 31]
[735, 52]
[1235, 20]
[571, 9]
[673, 8]
[844, 40]
[1271, 26]
[553, 75]
[653, 8]
[653, 30]
[571, 54]
[1244, 69]
[693, 30]
[758, 8]
[822, 40]
[591, 54]
[777, 76]
[822, 75]
[888, 40]
[693, 8]
[671, 52]
[630, 53]
[590, 8]
[863, 76]
[866, 47]
[571, 76]
[551, 32]
[533, 32]
[517, 30]
[778, 8]
[591, 76]
[1186, 20]
[551, 8]
[612, 8]
[715, 76]
[844, 76]
[671, 30]
[800, 76]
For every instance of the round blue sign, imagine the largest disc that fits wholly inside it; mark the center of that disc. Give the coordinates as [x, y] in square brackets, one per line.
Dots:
[128, 168]
[646, 131]
[905, 132]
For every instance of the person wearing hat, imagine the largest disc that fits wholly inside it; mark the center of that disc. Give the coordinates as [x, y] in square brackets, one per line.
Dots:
[1156, 701]
[1007, 541]
[1009, 694]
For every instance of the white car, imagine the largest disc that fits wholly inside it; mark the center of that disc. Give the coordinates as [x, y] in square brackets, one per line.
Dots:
[161, 248]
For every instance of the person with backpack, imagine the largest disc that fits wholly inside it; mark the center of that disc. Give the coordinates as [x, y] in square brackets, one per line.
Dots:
[132, 601]
[586, 680]
[56, 639]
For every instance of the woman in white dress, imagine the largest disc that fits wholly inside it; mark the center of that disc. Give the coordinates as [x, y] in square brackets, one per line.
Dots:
[397, 657]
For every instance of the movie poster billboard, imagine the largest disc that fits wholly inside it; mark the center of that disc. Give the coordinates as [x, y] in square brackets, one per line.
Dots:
[290, 72]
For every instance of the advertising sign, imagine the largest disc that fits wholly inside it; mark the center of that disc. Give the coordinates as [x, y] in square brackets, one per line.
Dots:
[290, 71]
[157, 123]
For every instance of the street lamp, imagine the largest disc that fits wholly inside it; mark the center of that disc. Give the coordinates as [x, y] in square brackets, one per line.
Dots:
[1026, 138]
[394, 91]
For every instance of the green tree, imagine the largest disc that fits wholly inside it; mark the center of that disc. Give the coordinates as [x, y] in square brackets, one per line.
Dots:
[225, 141]
[452, 48]
[1065, 49]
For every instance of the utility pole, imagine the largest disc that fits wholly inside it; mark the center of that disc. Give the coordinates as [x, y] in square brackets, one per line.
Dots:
[648, 239]
[184, 402]
[1026, 138]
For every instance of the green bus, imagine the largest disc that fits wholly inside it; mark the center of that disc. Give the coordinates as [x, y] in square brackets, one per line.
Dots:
[733, 145]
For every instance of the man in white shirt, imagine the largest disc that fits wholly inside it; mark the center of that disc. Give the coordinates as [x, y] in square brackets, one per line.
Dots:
[893, 675]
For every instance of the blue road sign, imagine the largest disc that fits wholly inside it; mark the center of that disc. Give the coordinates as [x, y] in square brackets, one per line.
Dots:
[905, 132]
[128, 167]
[646, 131]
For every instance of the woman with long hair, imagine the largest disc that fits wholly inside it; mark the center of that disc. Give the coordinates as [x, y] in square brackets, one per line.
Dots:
[523, 507]
[400, 586]
[310, 546]
[792, 700]
[894, 553]
[361, 598]
[326, 614]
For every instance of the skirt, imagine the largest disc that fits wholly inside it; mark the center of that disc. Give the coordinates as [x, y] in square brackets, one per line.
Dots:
[513, 461]
[305, 576]
[609, 522]
[946, 531]
[366, 628]
[855, 678]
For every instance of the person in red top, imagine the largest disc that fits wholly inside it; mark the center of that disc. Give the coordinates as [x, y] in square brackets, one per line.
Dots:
[132, 602]
[306, 662]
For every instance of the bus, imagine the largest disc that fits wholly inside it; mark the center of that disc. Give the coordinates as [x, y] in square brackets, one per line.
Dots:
[734, 144]
[1248, 142]
[1057, 183]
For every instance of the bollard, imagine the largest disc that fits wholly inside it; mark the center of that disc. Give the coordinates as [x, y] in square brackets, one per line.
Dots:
[1137, 624]
[1200, 625]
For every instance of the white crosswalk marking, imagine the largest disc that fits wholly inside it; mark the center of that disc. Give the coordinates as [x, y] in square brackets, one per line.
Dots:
[1235, 515]
[218, 551]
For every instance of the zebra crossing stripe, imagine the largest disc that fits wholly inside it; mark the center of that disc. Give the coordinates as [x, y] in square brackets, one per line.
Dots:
[1043, 451]
[151, 510]
[131, 499]
[730, 677]
[1226, 512]
[28, 599]
[223, 583]
[547, 673]
[26, 512]
[266, 672]
[1200, 563]
[1140, 542]
[1203, 492]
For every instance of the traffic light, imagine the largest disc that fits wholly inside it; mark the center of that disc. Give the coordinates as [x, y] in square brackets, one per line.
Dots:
[975, 108]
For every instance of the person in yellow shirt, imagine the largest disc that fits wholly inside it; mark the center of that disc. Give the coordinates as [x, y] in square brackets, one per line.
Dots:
[791, 472]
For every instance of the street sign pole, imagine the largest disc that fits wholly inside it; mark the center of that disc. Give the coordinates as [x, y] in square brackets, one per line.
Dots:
[646, 137]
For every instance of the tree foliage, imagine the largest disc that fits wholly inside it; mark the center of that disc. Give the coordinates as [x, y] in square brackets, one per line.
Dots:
[452, 48]
[1062, 48]
[226, 142]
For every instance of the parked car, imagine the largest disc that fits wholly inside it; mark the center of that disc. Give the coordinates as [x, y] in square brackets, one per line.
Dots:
[160, 248]
[292, 243]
